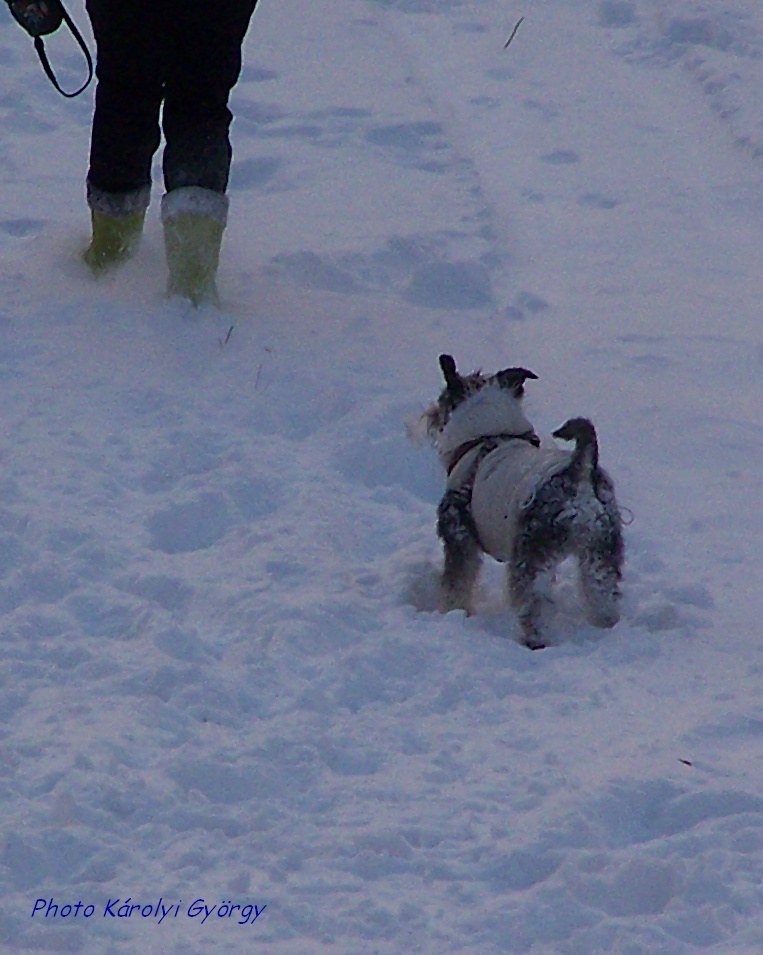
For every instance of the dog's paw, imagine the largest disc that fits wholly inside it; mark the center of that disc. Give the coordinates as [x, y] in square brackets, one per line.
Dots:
[602, 617]
[603, 612]
[447, 608]
[532, 635]
[451, 601]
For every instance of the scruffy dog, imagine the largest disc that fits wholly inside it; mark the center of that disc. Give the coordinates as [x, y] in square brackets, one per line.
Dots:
[526, 506]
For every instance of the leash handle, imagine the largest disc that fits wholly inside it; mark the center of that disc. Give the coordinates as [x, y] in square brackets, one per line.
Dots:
[42, 17]
[37, 17]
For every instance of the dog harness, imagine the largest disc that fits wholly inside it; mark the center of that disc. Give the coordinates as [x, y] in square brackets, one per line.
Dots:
[462, 468]
[462, 473]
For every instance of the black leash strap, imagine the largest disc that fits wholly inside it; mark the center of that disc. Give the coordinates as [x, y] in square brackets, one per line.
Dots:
[42, 17]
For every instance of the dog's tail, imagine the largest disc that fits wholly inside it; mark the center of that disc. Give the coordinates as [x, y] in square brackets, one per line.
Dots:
[586, 455]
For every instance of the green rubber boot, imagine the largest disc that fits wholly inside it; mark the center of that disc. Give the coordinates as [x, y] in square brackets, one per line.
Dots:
[194, 220]
[192, 243]
[114, 240]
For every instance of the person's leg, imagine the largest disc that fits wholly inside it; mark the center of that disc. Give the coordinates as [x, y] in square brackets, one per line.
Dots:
[203, 65]
[125, 131]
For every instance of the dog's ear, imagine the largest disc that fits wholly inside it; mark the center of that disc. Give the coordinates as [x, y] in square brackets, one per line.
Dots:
[514, 379]
[452, 378]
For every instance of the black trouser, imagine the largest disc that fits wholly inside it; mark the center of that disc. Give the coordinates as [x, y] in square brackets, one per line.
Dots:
[183, 53]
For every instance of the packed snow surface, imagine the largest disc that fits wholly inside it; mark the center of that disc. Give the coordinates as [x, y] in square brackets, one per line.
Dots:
[223, 682]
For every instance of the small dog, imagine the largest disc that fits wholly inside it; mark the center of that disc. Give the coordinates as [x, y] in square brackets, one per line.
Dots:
[526, 506]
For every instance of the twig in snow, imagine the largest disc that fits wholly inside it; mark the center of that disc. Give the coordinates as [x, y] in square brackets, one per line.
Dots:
[224, 341]
[513, 33]
[259, 370]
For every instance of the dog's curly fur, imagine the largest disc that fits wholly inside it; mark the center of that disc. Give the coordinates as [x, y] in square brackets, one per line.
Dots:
[527, 506]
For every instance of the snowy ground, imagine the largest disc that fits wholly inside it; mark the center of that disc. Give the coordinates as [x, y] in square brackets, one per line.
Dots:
[220, 674]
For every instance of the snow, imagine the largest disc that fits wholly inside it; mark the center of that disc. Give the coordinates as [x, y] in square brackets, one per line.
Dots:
[221, 673]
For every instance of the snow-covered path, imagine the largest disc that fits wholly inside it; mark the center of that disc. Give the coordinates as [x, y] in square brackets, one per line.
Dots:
[220, 674]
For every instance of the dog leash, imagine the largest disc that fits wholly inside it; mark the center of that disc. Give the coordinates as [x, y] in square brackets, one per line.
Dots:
[42, 17]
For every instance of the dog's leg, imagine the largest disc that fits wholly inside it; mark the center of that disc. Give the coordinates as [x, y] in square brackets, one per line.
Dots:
[600, 573]
[525, 578]
[463, 558]
[600, 567]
